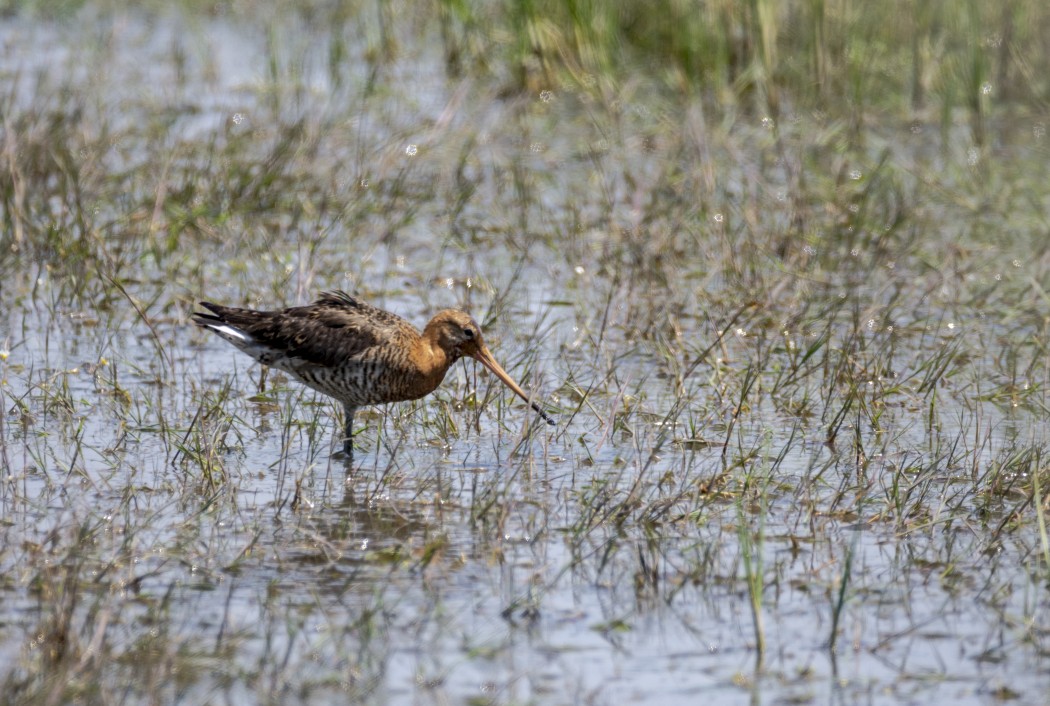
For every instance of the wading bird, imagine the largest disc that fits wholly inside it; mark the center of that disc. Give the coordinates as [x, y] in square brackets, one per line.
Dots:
[355, 352]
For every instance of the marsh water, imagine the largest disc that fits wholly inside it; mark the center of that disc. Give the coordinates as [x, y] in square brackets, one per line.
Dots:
[798, 362]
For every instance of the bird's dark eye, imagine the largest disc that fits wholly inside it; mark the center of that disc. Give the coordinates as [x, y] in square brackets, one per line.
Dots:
[468, 333]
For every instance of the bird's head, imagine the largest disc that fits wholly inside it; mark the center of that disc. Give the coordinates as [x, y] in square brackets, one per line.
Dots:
[457, 334]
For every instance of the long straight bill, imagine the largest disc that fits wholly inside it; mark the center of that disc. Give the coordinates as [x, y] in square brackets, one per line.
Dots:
[485, 358]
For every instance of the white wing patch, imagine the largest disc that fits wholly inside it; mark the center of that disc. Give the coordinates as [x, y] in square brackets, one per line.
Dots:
[229, 333]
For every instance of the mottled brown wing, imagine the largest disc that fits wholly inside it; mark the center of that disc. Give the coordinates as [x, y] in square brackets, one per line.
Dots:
[335, 327]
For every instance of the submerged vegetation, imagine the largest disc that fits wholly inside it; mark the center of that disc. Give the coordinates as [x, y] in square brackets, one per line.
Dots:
[781, 267]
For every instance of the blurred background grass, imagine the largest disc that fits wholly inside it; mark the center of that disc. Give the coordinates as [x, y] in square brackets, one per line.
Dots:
[830, 80]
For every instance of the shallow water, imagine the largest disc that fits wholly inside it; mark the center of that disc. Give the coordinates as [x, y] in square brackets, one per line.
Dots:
[186, 535]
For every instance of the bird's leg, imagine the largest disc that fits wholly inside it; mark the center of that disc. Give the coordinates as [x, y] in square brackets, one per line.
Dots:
[348, 432]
